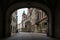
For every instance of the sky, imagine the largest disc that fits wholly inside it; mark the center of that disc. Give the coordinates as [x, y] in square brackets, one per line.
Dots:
[20, 12]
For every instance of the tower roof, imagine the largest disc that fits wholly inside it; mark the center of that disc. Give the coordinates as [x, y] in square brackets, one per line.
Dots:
[24, 13]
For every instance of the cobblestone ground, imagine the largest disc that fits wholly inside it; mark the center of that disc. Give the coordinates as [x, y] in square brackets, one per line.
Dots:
[29, 36]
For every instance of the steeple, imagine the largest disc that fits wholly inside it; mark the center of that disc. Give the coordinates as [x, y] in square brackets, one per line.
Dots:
[24, 13]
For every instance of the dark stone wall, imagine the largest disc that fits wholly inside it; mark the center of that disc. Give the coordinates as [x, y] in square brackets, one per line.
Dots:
[57, 21]
[1, 23]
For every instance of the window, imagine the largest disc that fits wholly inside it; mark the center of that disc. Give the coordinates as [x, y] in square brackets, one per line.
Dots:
[25, 26]
[46, 24]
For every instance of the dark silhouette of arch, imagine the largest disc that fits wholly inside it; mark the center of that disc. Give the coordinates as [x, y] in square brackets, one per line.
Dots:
[18, 5]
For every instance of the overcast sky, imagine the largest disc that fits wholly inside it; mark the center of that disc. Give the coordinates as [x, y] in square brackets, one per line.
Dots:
[20, 12]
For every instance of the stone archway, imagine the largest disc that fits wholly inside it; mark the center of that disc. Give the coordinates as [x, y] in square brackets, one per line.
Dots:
[27, 4]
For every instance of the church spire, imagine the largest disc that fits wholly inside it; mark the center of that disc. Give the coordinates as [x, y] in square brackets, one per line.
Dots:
[24, 13]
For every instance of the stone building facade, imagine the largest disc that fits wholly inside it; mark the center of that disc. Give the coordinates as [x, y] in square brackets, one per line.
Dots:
[19, 27]
[35, 20]
[14, 22]
[41, 21]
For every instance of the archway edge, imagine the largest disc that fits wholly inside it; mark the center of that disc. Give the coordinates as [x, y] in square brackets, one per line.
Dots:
[19, 5]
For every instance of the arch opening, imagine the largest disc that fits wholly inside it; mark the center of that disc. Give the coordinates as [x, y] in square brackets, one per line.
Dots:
[43, 7]
[31, 20]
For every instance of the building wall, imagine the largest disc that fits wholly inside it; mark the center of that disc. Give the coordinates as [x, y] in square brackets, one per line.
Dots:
[14, 22]
[57, 21]
[37, 18]
[1, 24]
[24, 24]
[26, 21]
[41, 19]
[33, 20]
[19, 27]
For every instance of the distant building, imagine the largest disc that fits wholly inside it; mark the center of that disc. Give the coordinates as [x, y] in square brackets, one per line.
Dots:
[19, 27]
[14, 22]
[35, 21]
[26, 21]
[24, 18]
[41, 21]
